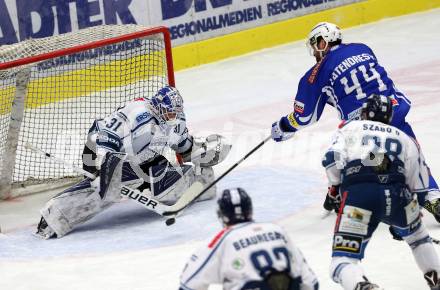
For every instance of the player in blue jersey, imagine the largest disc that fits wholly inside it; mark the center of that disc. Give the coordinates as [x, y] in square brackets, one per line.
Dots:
[344, 75]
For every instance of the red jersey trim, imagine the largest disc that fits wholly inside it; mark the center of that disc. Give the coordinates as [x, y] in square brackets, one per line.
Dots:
[342, 124]
[217, 238]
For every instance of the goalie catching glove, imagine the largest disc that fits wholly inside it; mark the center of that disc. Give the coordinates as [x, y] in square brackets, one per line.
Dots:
[333, 199]
[207, 152]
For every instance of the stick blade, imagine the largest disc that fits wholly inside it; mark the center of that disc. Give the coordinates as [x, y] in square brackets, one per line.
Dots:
[187, 197]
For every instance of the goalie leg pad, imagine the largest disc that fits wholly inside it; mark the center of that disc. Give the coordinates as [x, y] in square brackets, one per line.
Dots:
[206, 177]
[169, 182]
[71, 207]
[81, 202]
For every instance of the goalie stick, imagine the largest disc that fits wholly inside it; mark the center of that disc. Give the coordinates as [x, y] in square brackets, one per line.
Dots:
[173, 213]
[146, 201]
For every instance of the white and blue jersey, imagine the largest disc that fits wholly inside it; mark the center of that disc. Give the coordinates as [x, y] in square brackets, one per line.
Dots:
[136, 130]
[379, 169]
[238, 254]
[344, 78]
[357, 140]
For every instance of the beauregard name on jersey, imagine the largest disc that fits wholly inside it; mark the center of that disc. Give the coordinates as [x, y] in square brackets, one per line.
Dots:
[259, 238]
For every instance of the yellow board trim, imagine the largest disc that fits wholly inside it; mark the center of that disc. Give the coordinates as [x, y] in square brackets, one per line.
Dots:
[235, 44]
[211, 50]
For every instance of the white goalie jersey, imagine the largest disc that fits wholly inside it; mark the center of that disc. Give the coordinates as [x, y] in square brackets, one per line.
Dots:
[238, 255]
[136, 130]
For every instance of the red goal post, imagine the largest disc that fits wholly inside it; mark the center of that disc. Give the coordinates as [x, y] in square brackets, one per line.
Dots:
[52, 89]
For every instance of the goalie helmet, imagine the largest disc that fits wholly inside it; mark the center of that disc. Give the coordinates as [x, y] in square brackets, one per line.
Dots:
[377, 108]
[234, 206]
[325, 30]
[167, 104]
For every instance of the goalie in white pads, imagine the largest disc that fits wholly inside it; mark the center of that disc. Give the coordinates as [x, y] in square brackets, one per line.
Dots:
[144, 144]
[377, 169]
[247, 255]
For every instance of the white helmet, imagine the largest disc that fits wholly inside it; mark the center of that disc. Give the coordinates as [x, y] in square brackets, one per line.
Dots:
[328, 31]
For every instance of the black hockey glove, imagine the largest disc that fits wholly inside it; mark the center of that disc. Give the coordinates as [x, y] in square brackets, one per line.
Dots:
[333, 199]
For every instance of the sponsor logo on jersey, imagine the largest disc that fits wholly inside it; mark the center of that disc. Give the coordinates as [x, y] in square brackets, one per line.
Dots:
[412, 211]
[355, 114]
[383, 178]
[315, 71]
[347, 243]
[357, 214]
[352, 226]
[387, 203]
[237, 264]
[352, 170]
[109, 140]
[142, 116]
[298, 107]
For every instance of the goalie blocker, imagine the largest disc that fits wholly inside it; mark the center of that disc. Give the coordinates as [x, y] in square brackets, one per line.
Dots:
[166, 184]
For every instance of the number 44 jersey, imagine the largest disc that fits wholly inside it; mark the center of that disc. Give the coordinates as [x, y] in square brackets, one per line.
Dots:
[344, 78]
[240, 255]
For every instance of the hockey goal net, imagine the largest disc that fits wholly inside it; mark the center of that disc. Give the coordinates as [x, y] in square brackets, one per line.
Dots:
[52, 89]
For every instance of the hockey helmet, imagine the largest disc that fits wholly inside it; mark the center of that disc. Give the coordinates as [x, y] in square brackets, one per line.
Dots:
[234, 206]
[167, 103]
[328, 31]
[377, 108]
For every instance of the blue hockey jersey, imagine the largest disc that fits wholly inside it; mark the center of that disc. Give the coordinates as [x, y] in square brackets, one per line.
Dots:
[344, 78]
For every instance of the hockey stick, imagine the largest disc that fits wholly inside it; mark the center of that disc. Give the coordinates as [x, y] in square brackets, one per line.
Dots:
[31, 147]
[175, 212]
[147, 201]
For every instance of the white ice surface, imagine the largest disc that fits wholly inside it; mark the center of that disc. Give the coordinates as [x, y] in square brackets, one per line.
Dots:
[126, 247]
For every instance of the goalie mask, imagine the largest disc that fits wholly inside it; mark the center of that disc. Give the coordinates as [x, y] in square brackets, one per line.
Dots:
[234, 206]
[167, 104]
